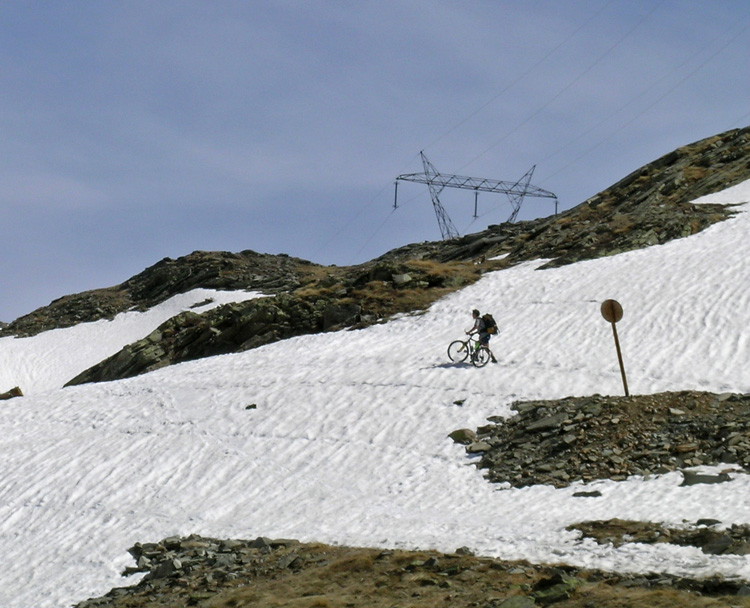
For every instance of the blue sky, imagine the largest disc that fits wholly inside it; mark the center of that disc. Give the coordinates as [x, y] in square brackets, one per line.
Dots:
[138, 130]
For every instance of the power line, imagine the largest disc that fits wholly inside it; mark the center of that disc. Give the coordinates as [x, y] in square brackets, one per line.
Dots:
[375, 232]
[519, 78]
[654, 103]
[630, 101]
[570, 84]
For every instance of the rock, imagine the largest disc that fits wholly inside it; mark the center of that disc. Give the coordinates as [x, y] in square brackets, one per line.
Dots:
[14, 392]
[337, 314]
[547, 424]
[691, 478]
[517, 601]
[401, 279]
[555, 589]
[463, 436]
[477, 447]
[717, 545]
[262, 544]
[707, 522]
[164, 569]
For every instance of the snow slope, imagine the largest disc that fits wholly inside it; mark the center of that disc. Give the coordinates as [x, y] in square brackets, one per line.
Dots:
[49, 360]
[348, 442]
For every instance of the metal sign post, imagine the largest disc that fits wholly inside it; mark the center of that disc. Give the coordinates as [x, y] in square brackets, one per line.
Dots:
[612, 312]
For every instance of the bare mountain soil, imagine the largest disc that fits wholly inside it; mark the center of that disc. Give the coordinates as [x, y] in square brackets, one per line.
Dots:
[265, 574]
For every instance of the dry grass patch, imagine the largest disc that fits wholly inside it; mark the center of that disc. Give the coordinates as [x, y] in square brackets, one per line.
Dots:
[430, 281]
[694, 173]
[383, 297]
[606, 596]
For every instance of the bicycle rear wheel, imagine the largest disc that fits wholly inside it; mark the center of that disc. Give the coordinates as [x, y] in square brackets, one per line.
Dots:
[458, 350]
[480, 357]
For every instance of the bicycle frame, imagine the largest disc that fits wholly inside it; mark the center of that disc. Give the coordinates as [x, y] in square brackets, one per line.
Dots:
[459, 350]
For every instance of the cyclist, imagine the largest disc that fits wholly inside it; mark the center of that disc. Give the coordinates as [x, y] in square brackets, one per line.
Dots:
[479, 328]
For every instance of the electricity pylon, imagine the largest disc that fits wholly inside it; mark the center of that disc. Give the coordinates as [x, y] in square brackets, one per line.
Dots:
[437, 181]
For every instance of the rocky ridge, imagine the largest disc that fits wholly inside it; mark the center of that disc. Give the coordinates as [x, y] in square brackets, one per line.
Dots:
[335, 300]
[218, 270]
[650, 206]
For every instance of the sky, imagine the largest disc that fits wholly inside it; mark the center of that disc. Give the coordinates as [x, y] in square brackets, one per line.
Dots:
[342, 437]
[138, 130]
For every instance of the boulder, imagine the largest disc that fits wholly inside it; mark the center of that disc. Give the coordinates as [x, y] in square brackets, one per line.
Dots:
[14, 392]
[691, 478]
[463, 436]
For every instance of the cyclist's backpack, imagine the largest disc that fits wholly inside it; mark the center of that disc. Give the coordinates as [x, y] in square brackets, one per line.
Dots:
[489, 323]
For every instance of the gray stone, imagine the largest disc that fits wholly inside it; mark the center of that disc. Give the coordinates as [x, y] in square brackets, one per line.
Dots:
[463, 436]
[549, 423]
[707, 522]
[401, 279]
[477, 447]
[717, 545]
[691, 478]
[261, 543]
[517, 601]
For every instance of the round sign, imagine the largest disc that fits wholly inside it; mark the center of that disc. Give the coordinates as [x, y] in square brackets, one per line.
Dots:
[611, 311]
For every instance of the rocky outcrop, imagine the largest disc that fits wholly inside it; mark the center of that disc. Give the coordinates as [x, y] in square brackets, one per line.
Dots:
[200, 571]
[206, 269]
[229, 328]
[194, 567]
[217, 270]
[352, 299]
[706, 534]
[589, 438]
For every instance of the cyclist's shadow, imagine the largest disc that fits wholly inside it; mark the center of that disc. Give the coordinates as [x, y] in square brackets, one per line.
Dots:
[451, 364]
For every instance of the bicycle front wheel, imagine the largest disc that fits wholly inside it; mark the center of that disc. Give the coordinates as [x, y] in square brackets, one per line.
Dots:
[480, 357]
[458, 350]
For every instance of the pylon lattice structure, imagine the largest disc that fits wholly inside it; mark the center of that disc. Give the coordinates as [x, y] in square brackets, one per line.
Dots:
[436, 182]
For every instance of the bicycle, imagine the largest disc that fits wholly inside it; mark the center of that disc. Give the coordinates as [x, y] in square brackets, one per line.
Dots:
[460, 350]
